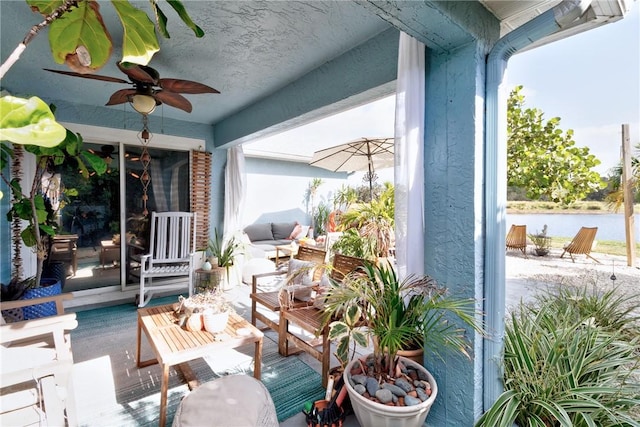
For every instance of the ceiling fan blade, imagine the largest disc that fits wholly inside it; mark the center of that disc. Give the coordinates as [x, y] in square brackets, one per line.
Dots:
[139, 73]
[121, 96]
[185, 86]
[89, 76]
[174, 100]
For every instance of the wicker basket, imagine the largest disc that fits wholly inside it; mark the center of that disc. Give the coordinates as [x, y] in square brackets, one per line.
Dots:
[49, 287]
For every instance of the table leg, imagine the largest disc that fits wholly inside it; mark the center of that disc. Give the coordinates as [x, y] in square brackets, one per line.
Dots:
[163, 395]
[138, 343]
[257, 361]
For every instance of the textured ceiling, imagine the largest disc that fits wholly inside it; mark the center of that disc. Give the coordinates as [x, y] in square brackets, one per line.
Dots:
[250, 50]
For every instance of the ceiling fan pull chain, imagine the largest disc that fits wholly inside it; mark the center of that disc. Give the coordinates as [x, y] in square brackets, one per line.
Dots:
[145, 158]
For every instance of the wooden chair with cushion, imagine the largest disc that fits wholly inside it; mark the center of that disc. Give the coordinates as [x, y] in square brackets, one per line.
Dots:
[582, 243]
[309, 319]
[266, 296]
[36, 364]
[517, 238]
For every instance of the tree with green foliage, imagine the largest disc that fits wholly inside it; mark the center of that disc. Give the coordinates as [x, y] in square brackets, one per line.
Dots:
[374, 219]
[543, 160]
[615, 198]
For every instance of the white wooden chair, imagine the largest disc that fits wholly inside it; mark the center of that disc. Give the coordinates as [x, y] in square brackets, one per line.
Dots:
[171, 253]
[35, 367]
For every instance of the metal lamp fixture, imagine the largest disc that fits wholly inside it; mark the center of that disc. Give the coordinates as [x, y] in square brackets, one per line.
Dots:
[143, 104]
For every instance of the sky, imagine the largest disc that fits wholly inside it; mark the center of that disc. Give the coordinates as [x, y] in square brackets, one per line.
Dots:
[591, 81]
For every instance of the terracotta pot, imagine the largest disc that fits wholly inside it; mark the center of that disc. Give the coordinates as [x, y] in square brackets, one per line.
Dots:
[417, 355]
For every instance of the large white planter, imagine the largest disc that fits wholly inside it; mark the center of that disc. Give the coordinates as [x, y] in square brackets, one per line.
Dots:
[373, 414]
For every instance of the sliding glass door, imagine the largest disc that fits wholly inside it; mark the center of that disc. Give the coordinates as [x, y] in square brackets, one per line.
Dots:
[88, 216]
[161, 187]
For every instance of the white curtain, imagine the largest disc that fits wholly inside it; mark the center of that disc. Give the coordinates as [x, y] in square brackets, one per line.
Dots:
[157, 186]
[234, 191]
[409, 159]
[235, 187]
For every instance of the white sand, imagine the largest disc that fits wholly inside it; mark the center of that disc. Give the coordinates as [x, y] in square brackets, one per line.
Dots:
[526, 276]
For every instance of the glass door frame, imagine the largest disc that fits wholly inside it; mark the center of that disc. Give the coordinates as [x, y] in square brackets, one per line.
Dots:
[122, 137]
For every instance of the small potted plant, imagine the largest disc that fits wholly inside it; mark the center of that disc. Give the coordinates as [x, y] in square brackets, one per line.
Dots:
[222, 254]
[541, 242]
[375, 305]
[209, 310]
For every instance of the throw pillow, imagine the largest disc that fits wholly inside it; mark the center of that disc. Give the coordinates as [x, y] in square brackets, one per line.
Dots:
[299, 281]
[300, 272]
[321, 292]
[282, 230]
[294, 233]
[304, 229]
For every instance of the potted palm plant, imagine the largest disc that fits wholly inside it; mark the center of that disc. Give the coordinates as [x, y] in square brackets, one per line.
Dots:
[375, 305]
[541, 241]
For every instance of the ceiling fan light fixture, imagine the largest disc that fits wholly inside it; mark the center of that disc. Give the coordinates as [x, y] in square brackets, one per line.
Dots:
[143, 104]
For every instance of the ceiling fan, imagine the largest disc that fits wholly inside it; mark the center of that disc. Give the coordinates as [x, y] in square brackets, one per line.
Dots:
[149, 90]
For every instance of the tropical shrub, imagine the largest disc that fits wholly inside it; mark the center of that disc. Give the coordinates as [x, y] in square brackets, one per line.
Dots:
[570, 359]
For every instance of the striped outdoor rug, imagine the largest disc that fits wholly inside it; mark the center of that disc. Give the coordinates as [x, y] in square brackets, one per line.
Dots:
[111, 390]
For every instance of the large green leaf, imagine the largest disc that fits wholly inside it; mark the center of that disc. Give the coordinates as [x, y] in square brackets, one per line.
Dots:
[45, 7]
[29, 121]
[139, 43]
[81, 27]
[179, 8]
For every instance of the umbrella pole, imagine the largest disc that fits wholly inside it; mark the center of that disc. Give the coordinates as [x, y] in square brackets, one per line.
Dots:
[370, 181]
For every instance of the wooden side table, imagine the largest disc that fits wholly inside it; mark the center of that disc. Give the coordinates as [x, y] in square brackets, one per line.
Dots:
[107, 247]
[287, 250]
[208, 280]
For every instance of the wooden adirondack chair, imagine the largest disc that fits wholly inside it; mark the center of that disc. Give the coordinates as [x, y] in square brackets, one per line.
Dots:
[517, 238]
[582, 243]
[171, 253]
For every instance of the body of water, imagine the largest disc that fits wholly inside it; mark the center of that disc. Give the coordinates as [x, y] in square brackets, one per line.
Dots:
[610, 226]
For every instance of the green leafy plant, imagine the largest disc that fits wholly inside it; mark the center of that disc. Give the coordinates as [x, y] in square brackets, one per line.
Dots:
[31, 123]
[320, 218]
[225, 252]
[543, 160]
[541, 242]
[351, 243]
[82, 41]
[569, 360]
[375, 304]
[374, 220]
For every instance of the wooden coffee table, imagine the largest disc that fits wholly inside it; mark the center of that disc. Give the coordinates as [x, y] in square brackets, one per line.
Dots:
[173, 345]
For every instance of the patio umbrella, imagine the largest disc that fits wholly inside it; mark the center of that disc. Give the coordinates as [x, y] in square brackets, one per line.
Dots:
[362, 154]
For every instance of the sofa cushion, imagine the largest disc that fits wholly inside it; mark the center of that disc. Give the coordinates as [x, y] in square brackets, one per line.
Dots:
[258, 232]
[281, 230]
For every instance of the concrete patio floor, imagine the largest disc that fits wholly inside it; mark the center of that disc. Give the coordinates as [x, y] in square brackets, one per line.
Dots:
[524, 277]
